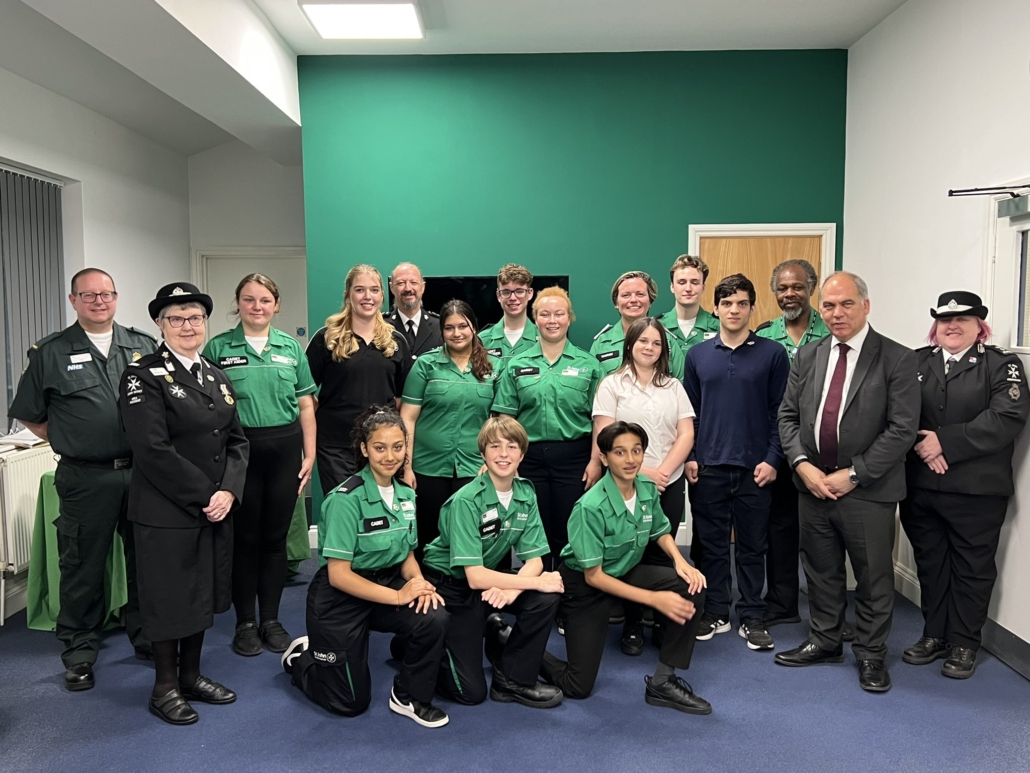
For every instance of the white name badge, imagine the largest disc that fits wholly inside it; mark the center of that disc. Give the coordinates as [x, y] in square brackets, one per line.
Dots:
[407, 505]
[570, 372]
[156, 371]
[710, 335]
[286, 360]
[87, 357]
[490, 515]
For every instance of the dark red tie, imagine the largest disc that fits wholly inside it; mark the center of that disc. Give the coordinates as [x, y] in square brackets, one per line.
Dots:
[831, 410]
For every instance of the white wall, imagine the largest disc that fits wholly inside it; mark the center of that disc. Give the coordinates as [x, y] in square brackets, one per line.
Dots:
[127, 208]
[939, 98]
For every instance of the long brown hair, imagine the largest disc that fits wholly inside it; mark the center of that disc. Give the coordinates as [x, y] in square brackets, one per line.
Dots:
[339, 333]
[662, 374]
[480, 360]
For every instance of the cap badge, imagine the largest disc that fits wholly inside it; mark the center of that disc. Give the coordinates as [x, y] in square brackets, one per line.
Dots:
[952, 304]
[180, 291]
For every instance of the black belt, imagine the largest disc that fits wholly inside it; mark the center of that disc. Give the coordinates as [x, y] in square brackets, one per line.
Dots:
[110, 464]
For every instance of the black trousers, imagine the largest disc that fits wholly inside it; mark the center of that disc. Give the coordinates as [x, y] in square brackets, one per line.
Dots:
[335, 465]
[94, 503]
[585, 611]
[672, 505]
[432, 493]
[333, 671]
[781, 558]
[262, 521]
[556, 471]
[866, 531]
[461, 672]
[955, 539]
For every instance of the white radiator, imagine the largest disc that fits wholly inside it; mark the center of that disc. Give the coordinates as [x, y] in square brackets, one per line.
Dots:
[20, 473]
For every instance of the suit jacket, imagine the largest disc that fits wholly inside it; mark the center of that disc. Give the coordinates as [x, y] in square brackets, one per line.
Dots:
[428, 336]
[186, 438]
[879, 416]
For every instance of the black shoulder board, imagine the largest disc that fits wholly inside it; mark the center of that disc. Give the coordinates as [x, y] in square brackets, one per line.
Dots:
[926, 348]
[604, 330]
[352, 483]
[143, 333]
[992, 347]
[432, 314]
[608, 356]
[764, 325]
[45, 340]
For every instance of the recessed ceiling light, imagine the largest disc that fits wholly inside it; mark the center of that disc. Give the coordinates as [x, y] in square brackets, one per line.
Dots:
[366, 20]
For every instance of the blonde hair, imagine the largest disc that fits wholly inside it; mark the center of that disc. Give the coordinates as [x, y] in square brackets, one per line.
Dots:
[554, 292]
[652, 288]
[339, 333]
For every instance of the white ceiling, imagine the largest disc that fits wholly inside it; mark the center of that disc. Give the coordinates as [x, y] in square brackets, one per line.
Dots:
[553, 26]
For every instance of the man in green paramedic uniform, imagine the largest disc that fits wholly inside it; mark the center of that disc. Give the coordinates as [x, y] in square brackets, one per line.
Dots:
[687, 322]
[68, 396]
[514, 333]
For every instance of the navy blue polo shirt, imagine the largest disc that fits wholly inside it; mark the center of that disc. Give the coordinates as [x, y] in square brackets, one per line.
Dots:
[736, 395]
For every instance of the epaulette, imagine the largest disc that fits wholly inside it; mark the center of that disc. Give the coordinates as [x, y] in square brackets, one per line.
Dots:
[44, 340]
[998, 349]
[764, 325]
[604, 330]
[924, 348]
[352, 483]
[525, 483]
[143, 333]
[432, 314]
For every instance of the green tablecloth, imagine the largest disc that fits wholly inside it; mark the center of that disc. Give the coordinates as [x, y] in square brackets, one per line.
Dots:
[297, 546]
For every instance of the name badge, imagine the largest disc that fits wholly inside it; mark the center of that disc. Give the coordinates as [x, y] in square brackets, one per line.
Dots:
[405, 505]
[570, 372]
[156, 371]
[710, 335]
[376, 524]
[527, 372]
[491, 529]
[608, 356]
[286, 360]
[489, 515]
[229, 362]
[494, 352]
[87, 357]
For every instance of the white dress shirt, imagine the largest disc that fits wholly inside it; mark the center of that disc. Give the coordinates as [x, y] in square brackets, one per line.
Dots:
[187, 362]
[855, 345]
[958, 357]
[405, 320]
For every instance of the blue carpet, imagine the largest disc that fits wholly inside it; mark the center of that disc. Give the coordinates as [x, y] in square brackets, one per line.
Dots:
[766, 718]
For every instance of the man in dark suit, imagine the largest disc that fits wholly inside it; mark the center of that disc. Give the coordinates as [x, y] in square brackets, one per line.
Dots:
[421, 328]
[847, 419]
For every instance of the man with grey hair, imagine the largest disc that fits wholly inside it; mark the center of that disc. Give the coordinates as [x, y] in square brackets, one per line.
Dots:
[421, 328]
[848, 418]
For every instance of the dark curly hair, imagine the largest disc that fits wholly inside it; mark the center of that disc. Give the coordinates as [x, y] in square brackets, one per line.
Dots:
[376, 417]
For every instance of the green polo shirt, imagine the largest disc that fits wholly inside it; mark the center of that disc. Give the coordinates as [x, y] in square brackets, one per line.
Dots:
[706, 326]
[776, 330]
[496, 342]
[608, 344]
[477, 530]
[603, 532]
[552, 401]
[69, 384]
[357, 526]
[454, 406]
[267, 383]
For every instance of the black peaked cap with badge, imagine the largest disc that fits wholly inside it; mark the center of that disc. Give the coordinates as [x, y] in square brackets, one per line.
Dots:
[178, 293]
[959, 303]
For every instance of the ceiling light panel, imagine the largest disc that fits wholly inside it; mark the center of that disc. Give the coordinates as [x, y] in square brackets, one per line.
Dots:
[365, 21]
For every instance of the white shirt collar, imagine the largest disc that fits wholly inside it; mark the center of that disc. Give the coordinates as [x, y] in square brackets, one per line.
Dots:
[856, 343]
[958, 357]
[186, 362]
[406, 319]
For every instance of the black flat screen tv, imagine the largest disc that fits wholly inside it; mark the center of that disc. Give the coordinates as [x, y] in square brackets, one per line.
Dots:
[478, 291]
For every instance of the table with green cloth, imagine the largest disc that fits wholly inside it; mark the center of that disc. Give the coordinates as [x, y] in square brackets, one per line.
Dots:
[44, 580]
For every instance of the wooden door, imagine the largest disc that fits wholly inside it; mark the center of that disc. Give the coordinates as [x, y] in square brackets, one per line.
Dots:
[755, 257]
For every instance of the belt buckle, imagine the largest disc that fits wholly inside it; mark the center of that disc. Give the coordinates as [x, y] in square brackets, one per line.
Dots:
[121, 464]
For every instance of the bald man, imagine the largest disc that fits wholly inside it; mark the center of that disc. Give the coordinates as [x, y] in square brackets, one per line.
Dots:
[420, 327]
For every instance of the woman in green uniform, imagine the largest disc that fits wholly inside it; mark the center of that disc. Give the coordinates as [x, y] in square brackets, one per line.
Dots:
[447, 397]
[609, 529]
[479, 526]
[550, 390]
[274, 393]
[369, 580]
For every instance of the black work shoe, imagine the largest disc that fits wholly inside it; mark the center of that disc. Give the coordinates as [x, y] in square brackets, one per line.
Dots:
[297, 646]
[961, 663]
[79, 677]
[246, 642]
[537, 696]
[753, 632]
[632, 642]
[495, 633]
[808, 654]
[206, 691]
[173, 708]
[426, 714]
[274, 635]
[779, 618]
[926, 650]
[847, 633]
[711, 625]
[675, 694]
[873, 676]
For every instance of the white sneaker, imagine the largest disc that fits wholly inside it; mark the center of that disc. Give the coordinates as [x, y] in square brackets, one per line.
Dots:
[296, 647]
[426, 714]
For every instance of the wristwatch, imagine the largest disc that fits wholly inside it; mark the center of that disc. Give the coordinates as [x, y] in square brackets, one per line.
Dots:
[852, 475]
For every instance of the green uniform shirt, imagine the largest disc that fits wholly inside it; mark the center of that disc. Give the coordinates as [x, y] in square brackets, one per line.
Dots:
[476, 529]
[552, 401]
[496, 342]
[776, 330]
[357, 526]
[267, 384]
[454, 406]
[603, 532]
[72, 386]
[706, 326]
[608, 344]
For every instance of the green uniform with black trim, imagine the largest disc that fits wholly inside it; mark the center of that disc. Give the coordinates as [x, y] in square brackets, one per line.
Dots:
[72, 387]
[497, 344]
[552, 401]
[608, 344]
[477, 530]
[776, 330]
[357, 526]
[266, 383]
[454, 404]
[706, 325]
[602, 532]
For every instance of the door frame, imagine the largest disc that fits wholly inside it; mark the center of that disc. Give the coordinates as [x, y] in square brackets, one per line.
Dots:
[828, 232]
[201, 256]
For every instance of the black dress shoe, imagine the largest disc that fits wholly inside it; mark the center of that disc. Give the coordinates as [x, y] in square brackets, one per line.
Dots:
[247, 641]
[779, 618]
[675, 694]
[206, 691]
[274, 636]
[79, 677]
[808, 654]
[873, 676]
[537, 696]
[173, 708]
[632, 642]
[847, 633]
[495, 634]
[926, 650]
[961, 663]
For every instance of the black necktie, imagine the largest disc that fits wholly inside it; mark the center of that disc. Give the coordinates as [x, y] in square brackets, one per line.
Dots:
[947, 366]
[195, 370]
[411, 334]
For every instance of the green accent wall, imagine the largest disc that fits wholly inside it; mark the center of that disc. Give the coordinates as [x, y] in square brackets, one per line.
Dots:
[585, 164]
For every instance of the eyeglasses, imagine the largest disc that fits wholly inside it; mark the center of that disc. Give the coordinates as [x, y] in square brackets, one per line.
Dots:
[90, 297]
[518, 292]
[195, 321]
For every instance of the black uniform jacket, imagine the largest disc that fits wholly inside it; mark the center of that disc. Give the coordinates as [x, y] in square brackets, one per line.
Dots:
[977, 411]
[187, 442]
[428, 336]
